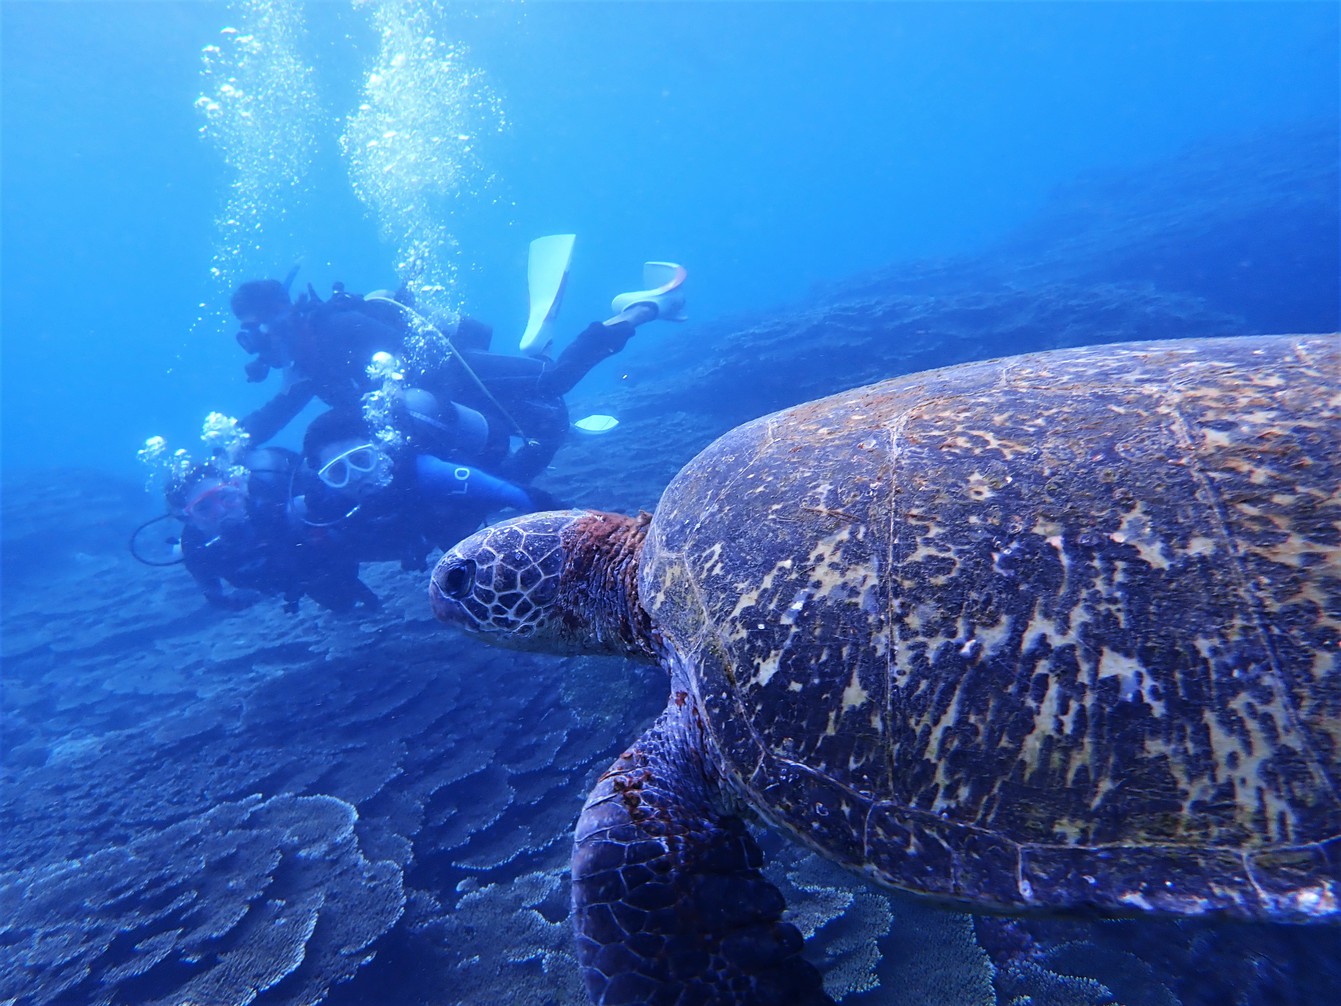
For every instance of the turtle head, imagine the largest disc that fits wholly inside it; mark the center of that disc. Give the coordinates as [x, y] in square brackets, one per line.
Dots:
[560, 582]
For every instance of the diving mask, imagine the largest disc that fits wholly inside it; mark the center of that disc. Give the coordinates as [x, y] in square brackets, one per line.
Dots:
[364, 459]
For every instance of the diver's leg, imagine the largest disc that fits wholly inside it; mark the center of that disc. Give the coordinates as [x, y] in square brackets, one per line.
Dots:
[545, 423]
[597, 342]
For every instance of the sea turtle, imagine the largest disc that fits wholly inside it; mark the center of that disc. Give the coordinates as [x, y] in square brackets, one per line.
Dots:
[1053, 632]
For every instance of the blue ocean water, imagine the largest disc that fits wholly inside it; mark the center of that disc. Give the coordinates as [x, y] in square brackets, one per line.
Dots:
[856, 189]
[769, 146]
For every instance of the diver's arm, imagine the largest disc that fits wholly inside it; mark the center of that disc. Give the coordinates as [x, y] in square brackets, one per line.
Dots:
[337, 587]
[445, 484]
[214, 591]
[277, 413]
[212, 587]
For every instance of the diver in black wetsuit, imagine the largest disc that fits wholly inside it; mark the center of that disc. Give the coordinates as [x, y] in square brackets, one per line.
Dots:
[372, 502]
[240, 532]
[476, 401]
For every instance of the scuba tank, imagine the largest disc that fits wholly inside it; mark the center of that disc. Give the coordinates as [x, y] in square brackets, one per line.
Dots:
[452, 431]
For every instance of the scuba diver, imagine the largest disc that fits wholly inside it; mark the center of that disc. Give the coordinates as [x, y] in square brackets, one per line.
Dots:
[241, 540]
[375, 502]
[474, 402]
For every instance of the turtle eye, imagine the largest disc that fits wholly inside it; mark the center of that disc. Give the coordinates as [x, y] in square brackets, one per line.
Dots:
[458, 578]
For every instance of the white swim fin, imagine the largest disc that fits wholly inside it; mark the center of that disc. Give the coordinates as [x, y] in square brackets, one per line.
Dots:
[596, 424]
[546, 272]
[665, 289]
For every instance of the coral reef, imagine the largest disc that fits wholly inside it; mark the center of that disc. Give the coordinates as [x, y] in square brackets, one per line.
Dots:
[245, 896]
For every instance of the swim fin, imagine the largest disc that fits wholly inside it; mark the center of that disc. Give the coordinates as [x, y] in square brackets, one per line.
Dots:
[596, 424]
[546, 272]
[665, 282]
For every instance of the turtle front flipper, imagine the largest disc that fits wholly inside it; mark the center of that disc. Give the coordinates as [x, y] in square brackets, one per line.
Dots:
[668, 900]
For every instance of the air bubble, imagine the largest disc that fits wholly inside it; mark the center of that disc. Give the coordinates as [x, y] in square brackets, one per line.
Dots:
[400, 166]
[410, 145]
[262, 114]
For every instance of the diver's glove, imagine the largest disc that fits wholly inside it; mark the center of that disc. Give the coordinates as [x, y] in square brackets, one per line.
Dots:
[237, 600]
[366, 597]
[543, 499]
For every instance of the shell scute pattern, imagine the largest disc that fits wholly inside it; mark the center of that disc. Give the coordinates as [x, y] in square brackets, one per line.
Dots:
[1059, 629]
[1278, 486]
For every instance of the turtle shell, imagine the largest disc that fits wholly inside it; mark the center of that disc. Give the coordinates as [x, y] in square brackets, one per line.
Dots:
[1052, 631]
